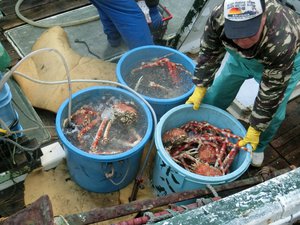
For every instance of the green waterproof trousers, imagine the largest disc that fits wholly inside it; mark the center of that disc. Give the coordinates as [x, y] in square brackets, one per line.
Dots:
[226, 86]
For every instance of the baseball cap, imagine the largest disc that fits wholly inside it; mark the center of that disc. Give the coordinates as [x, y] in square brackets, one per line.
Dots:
[242, 17]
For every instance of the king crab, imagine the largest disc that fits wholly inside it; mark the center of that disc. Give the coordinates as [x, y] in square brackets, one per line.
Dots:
[202, 148]
[119, 112]
[173, 68]
[173, 137]
[105, 119]
[85, 118]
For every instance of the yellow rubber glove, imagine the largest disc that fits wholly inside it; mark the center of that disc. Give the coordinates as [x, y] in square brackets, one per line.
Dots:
[2, 131]
[196, 97]
[252, 137]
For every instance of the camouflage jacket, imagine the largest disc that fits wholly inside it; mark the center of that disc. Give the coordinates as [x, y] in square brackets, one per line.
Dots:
[276, 51]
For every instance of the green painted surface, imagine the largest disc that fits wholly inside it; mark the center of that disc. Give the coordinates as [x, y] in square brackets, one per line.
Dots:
[10, 175]
[4, 58]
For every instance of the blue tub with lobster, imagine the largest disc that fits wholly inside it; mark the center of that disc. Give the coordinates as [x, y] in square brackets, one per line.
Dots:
[162, 75]
[182, 164]
[104, 136]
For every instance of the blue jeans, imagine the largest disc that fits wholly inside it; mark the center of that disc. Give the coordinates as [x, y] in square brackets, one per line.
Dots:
[123, 19]
[226, 86]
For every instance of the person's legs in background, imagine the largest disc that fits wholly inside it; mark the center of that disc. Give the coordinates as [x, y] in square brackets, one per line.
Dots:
[156, 17]
[156, 24]
[127, 18]
[113, 36]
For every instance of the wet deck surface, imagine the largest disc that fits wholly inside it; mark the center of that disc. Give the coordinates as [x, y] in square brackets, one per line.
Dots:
[282, 152]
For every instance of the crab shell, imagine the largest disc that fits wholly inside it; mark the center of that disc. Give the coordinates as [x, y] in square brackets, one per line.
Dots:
[84, 116]
[174, 136]
[126, 114]
[206, 170]
[207, 153]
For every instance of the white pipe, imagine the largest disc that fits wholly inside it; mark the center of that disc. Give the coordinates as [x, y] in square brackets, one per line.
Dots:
[10, 72]
[68, 24]
[69, 81]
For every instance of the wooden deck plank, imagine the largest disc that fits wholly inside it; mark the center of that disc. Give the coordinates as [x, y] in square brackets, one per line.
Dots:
[40, 11]
[8, 6]
[279, 163]
[270, 155]
[286, 137]
[293, 157]
[292, 145]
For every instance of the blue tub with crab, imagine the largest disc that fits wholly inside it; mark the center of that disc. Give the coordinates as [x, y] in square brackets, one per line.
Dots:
[162, 75]
[104, 137]
[168, 176]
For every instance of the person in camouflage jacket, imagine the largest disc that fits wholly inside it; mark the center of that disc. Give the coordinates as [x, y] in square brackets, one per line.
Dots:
[267, 51]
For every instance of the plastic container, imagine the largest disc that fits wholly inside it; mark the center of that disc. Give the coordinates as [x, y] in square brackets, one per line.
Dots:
[146, 53]
[168, 176]
[7, 113]
[102, 173]
[4, 58]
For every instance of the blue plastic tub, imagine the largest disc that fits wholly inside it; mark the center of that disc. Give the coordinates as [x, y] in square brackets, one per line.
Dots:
[7, 113]
[168, 176]
[102, 173]
[146, 53]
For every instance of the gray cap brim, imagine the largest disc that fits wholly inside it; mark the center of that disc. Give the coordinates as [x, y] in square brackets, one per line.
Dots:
[242, 29]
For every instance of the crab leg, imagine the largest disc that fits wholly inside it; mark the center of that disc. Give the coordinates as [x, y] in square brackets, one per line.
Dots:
[243, 147]
[87, 128]
[172, 71]
[99, 134]
[229, 159]
[138, 83]
[221, 155]
[136, 135]
[188, 144]
[194, 126]
[155, 85]
[183, 156]
[124, 143]
[110, 152]
[223, 132]
[144, 65]
[105, 138]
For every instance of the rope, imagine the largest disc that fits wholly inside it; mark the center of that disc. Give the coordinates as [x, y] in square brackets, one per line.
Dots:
[213, 191]
[153, 218]
[111, 174]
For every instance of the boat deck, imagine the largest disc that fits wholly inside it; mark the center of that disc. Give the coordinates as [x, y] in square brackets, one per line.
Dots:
[282, 152]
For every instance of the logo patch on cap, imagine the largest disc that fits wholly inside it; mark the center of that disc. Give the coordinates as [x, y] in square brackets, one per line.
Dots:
[242, 10]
